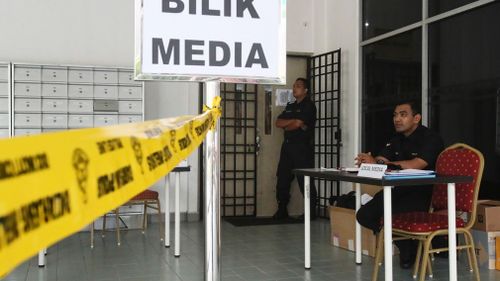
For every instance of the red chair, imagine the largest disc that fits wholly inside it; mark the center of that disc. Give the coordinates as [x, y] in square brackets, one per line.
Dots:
[148, 199]
[458, 159]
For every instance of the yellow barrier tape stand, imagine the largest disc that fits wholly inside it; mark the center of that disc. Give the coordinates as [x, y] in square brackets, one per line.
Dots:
[53, 185]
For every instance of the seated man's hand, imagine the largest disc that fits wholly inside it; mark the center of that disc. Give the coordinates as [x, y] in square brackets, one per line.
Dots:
[364, 158]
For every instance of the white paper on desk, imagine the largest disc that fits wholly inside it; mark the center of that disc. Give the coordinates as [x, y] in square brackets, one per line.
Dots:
[351, 169]
[329, 169]
[410, 172]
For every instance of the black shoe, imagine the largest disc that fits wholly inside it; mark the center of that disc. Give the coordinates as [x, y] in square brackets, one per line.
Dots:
[407, 253]
[281, 213]
[405, 263]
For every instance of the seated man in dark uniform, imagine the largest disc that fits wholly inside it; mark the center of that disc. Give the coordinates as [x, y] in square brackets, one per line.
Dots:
[413, 147]
[297, 151]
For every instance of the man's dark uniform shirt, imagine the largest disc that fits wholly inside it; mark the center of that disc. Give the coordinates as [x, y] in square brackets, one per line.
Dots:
[422, 143]
[305, 111]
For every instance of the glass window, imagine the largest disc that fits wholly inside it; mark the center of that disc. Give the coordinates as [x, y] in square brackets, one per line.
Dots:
[441, 6]
[392, 72]
[382, 16]
[464, 81]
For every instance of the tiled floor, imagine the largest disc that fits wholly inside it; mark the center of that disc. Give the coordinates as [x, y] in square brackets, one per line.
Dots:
[248, 253]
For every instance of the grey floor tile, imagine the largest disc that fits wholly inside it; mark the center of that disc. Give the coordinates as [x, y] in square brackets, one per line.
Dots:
[46, 273]
[163, 277]
[139, 278]
[100, 273]
[282, 274]
[248, 254]
[271, 267]
[232, 278]
[194, 276]
[130, 271]
[20, 273]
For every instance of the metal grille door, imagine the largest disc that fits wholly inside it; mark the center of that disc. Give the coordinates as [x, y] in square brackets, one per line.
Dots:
[238, 150]
[324, 74]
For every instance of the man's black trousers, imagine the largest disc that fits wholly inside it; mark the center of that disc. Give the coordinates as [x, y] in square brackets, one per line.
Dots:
[294, 156]
[404, 200]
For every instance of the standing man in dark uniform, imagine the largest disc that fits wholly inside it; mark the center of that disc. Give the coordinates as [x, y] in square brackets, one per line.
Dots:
[297, 150]
[413, 147]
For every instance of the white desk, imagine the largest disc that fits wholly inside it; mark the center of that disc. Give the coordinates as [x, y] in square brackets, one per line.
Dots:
[176, 171]
[388, 185]
[177, 216]
[41, 257]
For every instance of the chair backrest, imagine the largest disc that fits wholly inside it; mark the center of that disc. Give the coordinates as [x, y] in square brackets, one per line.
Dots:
[459, 160]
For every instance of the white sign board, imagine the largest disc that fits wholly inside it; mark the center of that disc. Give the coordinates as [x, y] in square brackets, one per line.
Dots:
[202, 40]
[372, 170]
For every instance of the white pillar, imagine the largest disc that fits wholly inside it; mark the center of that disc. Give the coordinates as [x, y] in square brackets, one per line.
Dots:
[177, 250]
[307, 222]
[167, 211]
[388, 233]
[358, 226]
[41, 258]
[452, 232]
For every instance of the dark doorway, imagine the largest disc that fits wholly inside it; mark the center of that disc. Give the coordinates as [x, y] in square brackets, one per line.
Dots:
[238, 150]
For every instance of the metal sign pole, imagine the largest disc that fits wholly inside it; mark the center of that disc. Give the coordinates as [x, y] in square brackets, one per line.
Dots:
[212, 194]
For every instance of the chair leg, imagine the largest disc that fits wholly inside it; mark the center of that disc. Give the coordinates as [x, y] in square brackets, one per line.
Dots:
[473, 254]
[469, 258]
[103, 232]
[378, 255]
[92, 235]
[417, 259]
[160, 220]
[144, 217]
[431, 255]
[429, 267]
[117, 221]
[425, 258]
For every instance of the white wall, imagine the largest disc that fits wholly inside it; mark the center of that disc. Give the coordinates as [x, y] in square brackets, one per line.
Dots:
[300, 26]
[321, 26]
[165, 100]
[100, 33]
[306, 28]
[332, 24]
[83, 32]
[337, 27]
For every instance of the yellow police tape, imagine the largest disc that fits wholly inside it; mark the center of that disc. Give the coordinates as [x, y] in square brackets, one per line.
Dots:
[52, 185]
